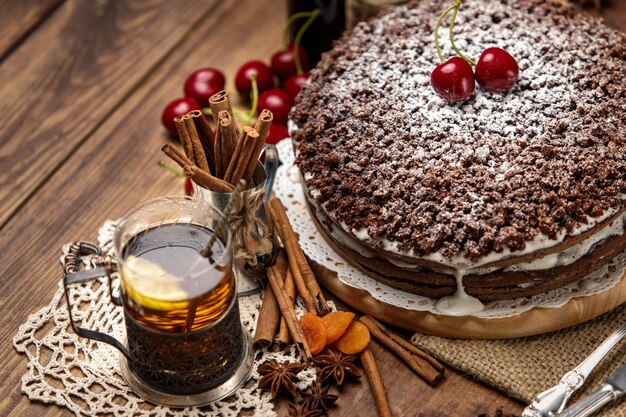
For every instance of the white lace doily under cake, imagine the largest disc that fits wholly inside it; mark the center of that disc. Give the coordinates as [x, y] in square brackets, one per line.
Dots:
[84, 376]
[289, 188]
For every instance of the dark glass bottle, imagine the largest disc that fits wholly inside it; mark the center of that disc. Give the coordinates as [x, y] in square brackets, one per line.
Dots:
[324, 30]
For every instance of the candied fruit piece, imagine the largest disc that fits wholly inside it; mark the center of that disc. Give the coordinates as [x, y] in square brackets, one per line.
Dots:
[314, 331]
[355, 339]
[336, 323]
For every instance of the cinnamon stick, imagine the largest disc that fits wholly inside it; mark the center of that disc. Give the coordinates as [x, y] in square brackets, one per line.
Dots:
[176, 155]
[376, 382]
[421, 367]
[269, 313]
[301, 286]
[249, 144]
[262, 125]
[217, 154]
[283, 331]
[228, 137]
[288, 312]
[269, 316]
[415, 350]
[297, 261]
[183, 135]
[196, 145]
[236, 154]
[207, 137]
[207, 180]
[221, 102]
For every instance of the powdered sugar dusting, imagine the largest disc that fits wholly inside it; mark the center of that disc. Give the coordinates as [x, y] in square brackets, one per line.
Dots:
[383, 152]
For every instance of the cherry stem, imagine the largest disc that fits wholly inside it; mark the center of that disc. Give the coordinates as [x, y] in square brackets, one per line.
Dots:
[296, 42]
[459, 53]
[292, 19]
[254, 97]
[455, 7]
[175, 170]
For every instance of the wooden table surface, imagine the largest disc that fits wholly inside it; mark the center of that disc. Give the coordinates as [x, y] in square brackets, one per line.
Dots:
[82, 87]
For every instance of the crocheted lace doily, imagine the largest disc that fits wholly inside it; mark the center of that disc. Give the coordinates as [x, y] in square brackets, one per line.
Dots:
[84, 376]
[289, 189]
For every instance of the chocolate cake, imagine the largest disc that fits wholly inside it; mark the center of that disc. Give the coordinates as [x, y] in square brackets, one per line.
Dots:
[508, 194]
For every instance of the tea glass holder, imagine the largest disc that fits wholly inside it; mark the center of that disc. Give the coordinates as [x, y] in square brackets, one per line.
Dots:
[178, 367]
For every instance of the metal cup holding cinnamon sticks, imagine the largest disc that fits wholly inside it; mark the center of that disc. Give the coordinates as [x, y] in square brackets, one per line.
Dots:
[253, 234]
[216, 161]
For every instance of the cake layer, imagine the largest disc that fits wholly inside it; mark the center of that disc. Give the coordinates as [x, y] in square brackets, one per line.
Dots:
[499, 284]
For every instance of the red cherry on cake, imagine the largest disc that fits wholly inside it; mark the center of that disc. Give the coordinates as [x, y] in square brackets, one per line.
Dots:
[243, 82]
[284, 62]
[294, 84]
[496, 70]
[277, 133]
[278, 102]
[203, 83]
[453, 80]
[176, 108]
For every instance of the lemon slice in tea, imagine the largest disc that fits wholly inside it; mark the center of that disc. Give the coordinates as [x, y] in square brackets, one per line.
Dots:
[151, 286]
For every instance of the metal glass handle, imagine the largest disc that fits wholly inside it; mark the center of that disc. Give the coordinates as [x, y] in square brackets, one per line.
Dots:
[270, 165]
[103, 266]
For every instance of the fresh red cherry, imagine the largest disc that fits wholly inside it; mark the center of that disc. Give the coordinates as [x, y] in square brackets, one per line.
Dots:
[278, 102]
[243, 82]
[176, 108]
[294, 84]
[188, 187]
[203, 83]
[453, 80]
[496, 70]
[284, 62]
[277, 133]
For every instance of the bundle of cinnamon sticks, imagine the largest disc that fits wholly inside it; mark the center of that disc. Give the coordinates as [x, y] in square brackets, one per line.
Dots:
[218, 160]
[290, 275]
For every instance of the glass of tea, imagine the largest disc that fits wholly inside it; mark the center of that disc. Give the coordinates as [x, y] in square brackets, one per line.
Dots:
[185, 344]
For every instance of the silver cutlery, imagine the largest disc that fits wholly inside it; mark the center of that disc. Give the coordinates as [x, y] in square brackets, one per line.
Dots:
[611, 390]
[553, 400]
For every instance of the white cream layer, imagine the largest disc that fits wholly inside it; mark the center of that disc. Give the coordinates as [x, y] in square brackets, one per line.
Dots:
[540, 242]
[565, 257]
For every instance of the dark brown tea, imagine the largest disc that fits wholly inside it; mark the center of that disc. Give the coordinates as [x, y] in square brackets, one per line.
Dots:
[182, 318]
[169, 286]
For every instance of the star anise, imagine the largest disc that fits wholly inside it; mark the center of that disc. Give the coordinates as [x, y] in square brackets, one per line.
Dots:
[279, 376]
[336, 365]
[302, 410]
[319, 398]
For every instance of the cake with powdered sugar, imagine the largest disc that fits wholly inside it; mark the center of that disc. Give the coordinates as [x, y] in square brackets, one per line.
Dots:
[505, 195]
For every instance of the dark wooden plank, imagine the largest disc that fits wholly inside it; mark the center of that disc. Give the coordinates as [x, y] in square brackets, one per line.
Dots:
[18, 18]
[115, 168]
[112, 171]
[68, 76]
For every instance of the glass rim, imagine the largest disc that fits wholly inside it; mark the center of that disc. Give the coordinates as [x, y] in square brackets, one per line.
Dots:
[211, 265]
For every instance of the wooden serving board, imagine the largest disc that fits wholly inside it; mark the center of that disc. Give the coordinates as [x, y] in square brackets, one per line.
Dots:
[532, 322]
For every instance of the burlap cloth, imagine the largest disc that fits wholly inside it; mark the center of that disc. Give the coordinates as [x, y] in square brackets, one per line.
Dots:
[527, 366]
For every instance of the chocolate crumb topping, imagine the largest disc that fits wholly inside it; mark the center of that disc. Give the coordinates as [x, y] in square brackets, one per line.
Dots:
[380, 150]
